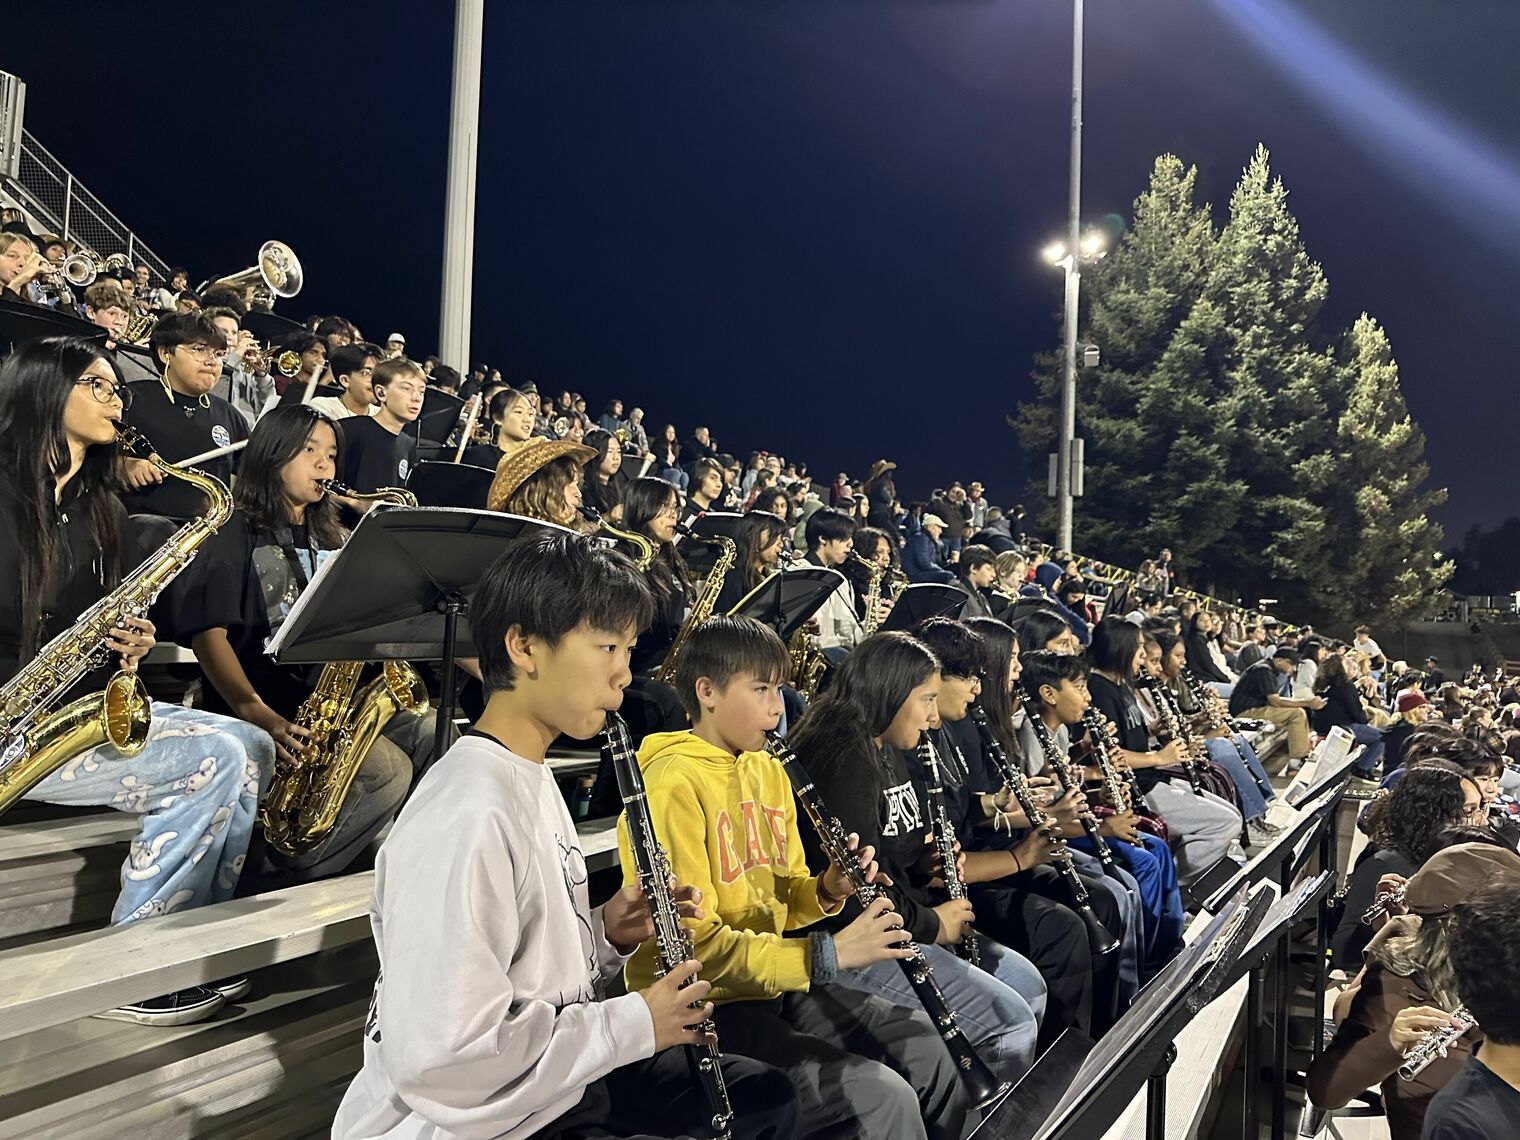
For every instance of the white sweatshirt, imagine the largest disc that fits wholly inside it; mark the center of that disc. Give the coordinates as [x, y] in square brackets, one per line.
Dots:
[485, 1021]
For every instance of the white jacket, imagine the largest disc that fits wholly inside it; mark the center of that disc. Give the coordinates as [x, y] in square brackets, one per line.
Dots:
[485, 1020]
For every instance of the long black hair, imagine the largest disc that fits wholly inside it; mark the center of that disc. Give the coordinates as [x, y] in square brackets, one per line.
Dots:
[998, 646]
[35, 383]
[599, 491]
[752, 534]
[869, 688]
[643, 500]
[276, 439]
[1113, 647]
[1039, 628]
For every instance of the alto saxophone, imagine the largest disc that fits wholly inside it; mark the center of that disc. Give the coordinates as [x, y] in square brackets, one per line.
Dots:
[637, 541]
[877, 572]
[304, 798]
[702, 607]
[34, 740]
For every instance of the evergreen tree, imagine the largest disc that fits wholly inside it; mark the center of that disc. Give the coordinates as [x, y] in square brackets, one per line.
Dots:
[1155, 451]
[1384, 553]
[1278, 384]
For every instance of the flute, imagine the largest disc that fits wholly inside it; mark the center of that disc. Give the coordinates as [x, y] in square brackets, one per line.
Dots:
[1435, 1044]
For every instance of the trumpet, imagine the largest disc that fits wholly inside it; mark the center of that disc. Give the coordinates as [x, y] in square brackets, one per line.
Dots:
[391, 496]
[1380, 905]
[82, 268]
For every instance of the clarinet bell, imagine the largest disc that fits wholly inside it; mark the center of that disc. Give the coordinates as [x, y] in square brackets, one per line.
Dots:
[1103, 943]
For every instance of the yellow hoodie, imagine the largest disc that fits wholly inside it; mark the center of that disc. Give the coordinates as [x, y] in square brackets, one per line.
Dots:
[729, 825]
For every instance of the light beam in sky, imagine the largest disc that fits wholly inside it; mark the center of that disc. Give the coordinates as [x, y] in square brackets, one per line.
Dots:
[1468, 176]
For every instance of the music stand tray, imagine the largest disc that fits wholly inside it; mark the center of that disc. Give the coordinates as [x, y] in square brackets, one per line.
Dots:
[440, 484]
[400, 589]
[1275, 854]
[787, 599]
[922, 601]
[1136, 1049]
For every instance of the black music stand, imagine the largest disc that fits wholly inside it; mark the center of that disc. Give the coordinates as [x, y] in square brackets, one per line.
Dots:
[787, 599]
[439, 484]
[923, 601]
[441, 413]
[20, 321]
[700, 556]
[1138, 1050]
[400, 589]
[270, 327]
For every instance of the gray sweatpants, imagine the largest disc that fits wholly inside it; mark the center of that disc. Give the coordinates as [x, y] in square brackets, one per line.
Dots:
[1202, 827]
[862, 1066]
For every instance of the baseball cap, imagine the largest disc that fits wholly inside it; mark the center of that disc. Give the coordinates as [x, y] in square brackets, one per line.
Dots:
[395, 336]
[933, 520]
[1288, 655]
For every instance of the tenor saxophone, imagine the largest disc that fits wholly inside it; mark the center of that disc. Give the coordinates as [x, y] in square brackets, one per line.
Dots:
[36, 740]
[702, 607]
[873, 591]
[304, 798]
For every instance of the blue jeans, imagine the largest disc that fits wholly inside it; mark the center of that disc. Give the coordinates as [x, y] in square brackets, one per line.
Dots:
[1155, 874]
[1253, 803]
[677, 476]
[195, 788]
[1372, 739]
[998, 1006]
[1125, 891]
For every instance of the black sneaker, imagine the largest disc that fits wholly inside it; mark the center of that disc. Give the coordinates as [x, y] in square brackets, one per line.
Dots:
[183, 1007]
[232, 988]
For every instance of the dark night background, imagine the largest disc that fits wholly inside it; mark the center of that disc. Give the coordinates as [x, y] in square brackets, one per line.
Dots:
[811, 224]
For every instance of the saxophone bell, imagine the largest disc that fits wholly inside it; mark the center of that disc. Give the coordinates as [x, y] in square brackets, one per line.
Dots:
[643, 545]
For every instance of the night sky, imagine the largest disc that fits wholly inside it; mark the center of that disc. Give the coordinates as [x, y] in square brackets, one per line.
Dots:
[811, 224]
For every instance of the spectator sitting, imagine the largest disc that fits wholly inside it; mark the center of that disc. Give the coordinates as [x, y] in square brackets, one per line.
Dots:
[977, 572]
[611, 419]
[638, 438]
[923, 553]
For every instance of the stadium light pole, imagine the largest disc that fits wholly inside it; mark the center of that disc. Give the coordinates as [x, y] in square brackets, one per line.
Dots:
[1073, 285]
[459, 204]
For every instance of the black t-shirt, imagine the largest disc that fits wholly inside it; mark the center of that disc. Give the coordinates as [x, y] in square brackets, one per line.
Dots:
[180, 429]
[669, 612]
[1118, 704]
[1255, 685]
[372, 457]
[1474, 1105]
[246, 581]
[76, 581]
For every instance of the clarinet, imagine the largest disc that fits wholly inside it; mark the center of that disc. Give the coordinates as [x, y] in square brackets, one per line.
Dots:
[1435, 1044]
[944, 841]
[1171, 717]
[672, 942]
[1115, 786]
[1068, 779]
[1102, 941]
[981, 1084]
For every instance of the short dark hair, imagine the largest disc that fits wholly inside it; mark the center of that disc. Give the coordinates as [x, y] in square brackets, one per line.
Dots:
[976, 555]
[1114, 642]
[723, 647]
[327, 326]
[1484, 943]
[827, 525]
[546, 586]
[959, 649]
[175, 329]
[347, 359]
[226, 297]
[1041, 667]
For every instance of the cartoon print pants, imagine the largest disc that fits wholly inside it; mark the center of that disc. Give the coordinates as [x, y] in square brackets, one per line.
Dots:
[195, 788]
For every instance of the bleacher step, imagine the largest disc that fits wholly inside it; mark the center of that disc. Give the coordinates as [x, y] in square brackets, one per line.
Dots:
[61, 873]
[274, 1065]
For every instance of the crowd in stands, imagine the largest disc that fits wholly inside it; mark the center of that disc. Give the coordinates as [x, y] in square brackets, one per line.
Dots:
[1144, 698]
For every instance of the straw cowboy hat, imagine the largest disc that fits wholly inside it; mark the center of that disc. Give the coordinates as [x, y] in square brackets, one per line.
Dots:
[533, 456]
[880, 468]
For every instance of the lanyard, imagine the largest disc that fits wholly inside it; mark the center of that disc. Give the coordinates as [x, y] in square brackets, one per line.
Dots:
[284, 537]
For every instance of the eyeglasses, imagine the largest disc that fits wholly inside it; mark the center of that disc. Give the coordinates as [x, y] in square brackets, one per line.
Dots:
[105, 391]
[205, 352]
[670, 510]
